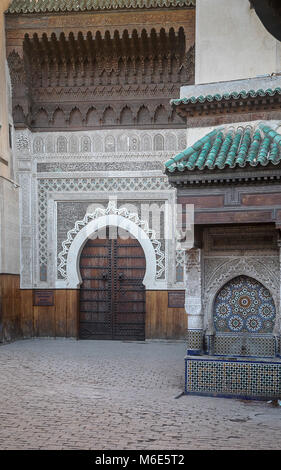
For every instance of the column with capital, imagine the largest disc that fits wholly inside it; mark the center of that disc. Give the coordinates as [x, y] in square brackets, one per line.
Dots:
[193, 301]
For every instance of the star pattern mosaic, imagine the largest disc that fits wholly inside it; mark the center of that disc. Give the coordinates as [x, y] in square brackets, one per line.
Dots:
[244, 305]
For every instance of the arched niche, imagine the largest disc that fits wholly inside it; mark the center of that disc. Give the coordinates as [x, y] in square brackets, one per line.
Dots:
[244, 317]
[244, 305]
[244, 266]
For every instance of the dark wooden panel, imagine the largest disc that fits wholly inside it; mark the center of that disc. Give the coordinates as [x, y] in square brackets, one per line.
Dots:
[202, 202]
[233, 217]
[129, 292]
[272, 199]
[43, 298]
[176, 299]
[95, 293]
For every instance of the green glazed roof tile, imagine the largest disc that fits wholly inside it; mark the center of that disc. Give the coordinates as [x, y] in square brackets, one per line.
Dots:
[189, 151]
[230, 157]
[229, 148]
[49, 6]
[244, 147]
[227, 96]
[254, 147]
[274, 156]
[220, 162]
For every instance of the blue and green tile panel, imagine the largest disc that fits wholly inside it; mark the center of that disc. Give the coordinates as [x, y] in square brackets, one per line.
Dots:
[227, 96]
[230, 148]
[53, 6]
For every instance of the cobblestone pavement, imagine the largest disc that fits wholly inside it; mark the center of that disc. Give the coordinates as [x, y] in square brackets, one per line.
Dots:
[67, 394]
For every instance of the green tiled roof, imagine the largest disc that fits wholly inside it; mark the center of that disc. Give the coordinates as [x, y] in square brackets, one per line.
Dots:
[227, 96]
[49, 6]
[229, 148]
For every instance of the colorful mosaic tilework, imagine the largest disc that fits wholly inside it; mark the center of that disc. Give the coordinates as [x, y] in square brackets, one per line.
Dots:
[228, 378]
[194, 340]
[241, 345]
[279, 346]
[244, 305]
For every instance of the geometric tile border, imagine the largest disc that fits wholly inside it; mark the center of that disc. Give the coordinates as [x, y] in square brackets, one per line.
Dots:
[244, 345]
[228, 378]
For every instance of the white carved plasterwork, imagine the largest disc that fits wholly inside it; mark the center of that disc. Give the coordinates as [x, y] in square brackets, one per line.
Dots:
[219, 271]
[126, 143]
[26, 243]
[111, 209]
[193, 292]
[180, 259]
[26, 257]
[23, 142]
[38, 145]
[25, 196]
[47, 186]
[103, 141]
[38, 186]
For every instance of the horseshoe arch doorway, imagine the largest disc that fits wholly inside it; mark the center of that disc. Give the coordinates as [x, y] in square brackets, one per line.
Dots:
[112, 294]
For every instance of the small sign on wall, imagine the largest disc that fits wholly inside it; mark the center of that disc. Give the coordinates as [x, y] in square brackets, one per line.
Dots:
[176, 299]
[43, 298]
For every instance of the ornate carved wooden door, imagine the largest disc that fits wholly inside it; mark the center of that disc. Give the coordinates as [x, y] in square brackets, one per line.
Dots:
[112, 297]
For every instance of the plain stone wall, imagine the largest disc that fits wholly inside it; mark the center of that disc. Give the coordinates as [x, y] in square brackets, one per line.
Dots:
[232, 43]
[9, 228]
[231, 86]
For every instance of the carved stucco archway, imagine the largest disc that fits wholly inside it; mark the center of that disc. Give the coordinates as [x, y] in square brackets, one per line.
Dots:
[72, 264]
[231, 269]
[117, 217]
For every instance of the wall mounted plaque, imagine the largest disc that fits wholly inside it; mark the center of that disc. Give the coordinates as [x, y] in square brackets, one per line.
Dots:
[176, 299]
[43, 298]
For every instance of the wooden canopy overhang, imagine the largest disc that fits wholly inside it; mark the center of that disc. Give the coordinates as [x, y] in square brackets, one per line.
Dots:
[68, 64]
[268, 175]
[230, 197]
[231, 177]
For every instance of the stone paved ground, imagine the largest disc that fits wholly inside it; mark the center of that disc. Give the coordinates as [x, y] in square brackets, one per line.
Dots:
[67, 394]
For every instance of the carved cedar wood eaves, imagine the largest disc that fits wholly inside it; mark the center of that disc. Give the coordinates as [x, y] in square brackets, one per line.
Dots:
[100, 81]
